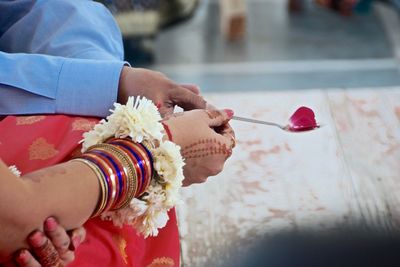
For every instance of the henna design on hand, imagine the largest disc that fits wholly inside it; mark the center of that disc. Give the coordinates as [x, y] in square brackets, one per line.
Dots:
[50, 172]
[48, 255]
[213, 114]
[226, 130]
[204, 148]
[233, 141]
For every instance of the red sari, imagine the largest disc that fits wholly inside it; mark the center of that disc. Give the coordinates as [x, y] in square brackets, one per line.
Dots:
[35, 142]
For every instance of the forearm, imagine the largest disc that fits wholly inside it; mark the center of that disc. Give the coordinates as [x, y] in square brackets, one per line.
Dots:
[68, 191]
[35, 83]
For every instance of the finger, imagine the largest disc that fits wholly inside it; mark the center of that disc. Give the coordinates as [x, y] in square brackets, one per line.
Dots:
[228, 142]
[191, 87]
[44, 250]
[219, 151]
[217, 118]
[78, 235]
[187, 99]
[25, 259]
[226, 139]
[57, 235]
[227, 131]
[210, 107]
[67, 257]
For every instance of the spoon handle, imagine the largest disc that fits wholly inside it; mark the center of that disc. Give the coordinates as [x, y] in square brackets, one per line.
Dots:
[257, 121]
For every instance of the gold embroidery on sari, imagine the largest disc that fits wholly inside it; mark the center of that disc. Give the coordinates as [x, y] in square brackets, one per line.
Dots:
[29, 120]
[83, 125]
[121, 243]
[162, 262]
[41, 149]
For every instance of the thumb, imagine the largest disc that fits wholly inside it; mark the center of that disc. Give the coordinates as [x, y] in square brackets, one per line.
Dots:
[219, 117]
[78, 235]
[187, 100]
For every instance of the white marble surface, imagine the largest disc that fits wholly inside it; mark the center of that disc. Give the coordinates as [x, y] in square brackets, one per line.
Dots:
[347, 172]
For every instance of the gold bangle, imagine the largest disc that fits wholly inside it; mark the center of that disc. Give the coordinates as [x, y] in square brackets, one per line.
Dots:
[127, 144]
[147, 164]
[144, 149]
[110, 177]
[103, 187]
[125, 161]
[129, 169]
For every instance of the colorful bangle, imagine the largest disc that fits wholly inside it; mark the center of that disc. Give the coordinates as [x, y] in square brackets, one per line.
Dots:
[130, 182]
[116, 174]
[124, 169]
[103, 187]
[105, 170]
[143, 161]
[127, 177]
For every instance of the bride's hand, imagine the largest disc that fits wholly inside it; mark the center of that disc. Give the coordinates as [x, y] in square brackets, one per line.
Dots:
[54, 247]
[206, 141]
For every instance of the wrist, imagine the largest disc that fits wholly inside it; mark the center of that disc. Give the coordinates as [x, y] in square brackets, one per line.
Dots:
[124, 170]
[122, 85]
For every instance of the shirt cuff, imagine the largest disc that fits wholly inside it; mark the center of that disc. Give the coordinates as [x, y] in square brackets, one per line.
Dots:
[88, 87]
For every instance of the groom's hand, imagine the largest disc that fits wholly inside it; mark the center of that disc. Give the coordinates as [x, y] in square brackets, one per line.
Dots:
[155, 86]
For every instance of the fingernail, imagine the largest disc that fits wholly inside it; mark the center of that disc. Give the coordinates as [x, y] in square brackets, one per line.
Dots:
[229, 112]
[36, 238]
[50, 224]
[76, 241]
[22, 257]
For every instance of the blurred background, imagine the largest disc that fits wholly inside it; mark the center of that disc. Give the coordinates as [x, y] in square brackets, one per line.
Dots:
[329, 197]
[234, 45]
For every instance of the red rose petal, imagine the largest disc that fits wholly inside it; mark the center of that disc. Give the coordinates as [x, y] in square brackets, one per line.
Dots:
[303, 119]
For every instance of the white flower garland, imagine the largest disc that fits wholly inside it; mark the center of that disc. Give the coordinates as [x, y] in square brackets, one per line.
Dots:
[140, 120]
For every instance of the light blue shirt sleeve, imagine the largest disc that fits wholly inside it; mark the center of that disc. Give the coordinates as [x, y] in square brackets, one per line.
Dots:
[58, 56]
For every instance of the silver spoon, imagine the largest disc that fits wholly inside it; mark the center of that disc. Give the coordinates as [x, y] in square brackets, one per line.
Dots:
[287, 128]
